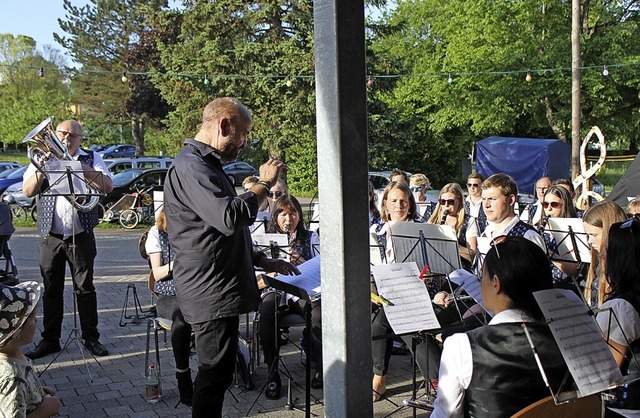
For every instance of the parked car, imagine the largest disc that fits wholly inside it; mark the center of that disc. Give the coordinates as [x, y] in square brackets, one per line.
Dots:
[238, 171]
[119, 165]
[7, 172]
[12, 178]
[117, 151]
[4, 166]
[132, 180]
[14, 194]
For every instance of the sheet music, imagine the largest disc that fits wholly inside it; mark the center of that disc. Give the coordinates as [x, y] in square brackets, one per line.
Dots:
[309, 279]
[59, 184]
[272, 243]
[559, 228]
[375, 257]
[412, 309]
[441, 245]
[580, 340]
[260, 224]
[470, 283]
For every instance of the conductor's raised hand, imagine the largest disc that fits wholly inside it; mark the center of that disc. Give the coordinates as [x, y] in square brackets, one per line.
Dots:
[270, 171]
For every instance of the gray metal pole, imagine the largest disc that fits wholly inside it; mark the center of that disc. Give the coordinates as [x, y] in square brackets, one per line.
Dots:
[343, 190]
[576, 109]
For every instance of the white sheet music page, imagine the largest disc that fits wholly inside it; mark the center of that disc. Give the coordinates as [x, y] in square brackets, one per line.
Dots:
[58, 181]
[580, 340]
[559, 228]
[309, 279]
[470, 283]
[410, 308]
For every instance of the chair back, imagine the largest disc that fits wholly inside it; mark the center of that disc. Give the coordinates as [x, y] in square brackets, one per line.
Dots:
[586, 407]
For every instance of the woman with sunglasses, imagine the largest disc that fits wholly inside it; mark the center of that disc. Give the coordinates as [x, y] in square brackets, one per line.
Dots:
[491, 371]
[633, 208]
[398, 204]
[374, 213]
[475, 217]
[597, 220]
[623, 299]
[557, 203]
[287, 218]
[419, 185]
[450, 211]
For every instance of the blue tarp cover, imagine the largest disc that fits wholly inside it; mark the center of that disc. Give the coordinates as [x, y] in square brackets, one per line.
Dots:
[524, 159]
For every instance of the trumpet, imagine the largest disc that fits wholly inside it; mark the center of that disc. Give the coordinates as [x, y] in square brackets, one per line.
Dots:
[47, 147]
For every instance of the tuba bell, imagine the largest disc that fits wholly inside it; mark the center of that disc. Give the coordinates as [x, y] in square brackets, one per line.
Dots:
[45, 146]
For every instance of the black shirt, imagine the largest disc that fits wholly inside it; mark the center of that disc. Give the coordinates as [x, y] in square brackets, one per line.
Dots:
[208, 225]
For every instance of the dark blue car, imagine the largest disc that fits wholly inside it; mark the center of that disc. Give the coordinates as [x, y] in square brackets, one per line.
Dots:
[12, 178]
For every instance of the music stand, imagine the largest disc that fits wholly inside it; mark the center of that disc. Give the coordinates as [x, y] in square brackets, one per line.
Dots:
[70, 183]
[302, 294]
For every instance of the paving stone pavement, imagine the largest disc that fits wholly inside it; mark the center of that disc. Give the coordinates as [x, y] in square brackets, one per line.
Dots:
[113, 386]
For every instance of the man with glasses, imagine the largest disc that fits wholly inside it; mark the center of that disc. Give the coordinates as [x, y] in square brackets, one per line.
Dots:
[475, 217]
[67, 238]
[533, 214]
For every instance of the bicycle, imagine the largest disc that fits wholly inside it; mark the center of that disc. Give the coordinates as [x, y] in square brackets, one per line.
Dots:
[132, 208]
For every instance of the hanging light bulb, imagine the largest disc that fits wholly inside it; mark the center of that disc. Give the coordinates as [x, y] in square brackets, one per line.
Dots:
[529, 77]
[41, 72]
[124, 77]
[289, 83]
[450, 79]
[605, 71]
[370, 82]
[206, 80]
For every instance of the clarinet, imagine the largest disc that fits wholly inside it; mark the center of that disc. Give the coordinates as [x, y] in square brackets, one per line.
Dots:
[444, 217]
[543, 224]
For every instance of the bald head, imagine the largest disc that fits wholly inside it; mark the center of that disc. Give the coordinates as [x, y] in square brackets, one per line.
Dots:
[225, 107]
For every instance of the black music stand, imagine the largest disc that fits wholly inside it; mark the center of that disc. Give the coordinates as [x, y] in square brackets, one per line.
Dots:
[302, 294]
[67, 178]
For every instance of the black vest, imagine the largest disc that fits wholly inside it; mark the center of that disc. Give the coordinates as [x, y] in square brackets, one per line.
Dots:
[505, 375]
[46, 206]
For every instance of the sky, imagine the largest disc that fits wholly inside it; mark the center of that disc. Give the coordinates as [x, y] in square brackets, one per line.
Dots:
[35, 18]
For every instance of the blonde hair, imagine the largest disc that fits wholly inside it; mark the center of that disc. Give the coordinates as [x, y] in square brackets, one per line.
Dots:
[601, 215]
[161, 220]
[634, 205]
[413, 212]
[438, 213]
[419, 179]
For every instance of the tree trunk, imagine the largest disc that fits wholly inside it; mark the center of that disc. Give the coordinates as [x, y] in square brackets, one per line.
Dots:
[137, 132]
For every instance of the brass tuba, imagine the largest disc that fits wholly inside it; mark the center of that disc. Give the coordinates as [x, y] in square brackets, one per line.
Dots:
[46, 147]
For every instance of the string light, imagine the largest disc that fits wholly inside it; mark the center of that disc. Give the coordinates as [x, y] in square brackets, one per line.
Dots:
[450, 79]
[529, 77]
[370, 82]
[605, 71]
[206, 80]
[41, 72]
[124, 77]
[289, 83]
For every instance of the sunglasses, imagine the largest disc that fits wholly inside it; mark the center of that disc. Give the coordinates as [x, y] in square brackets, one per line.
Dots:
[496, 241]
[554, 205]
[473, 184]
[444, 202]
[416, 188]
[275, 195]
[633, 216]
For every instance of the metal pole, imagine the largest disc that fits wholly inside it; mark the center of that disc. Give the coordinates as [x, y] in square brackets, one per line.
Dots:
[575, 88]
[343, 190]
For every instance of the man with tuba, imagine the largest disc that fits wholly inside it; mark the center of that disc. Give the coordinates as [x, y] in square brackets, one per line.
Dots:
[67, 237]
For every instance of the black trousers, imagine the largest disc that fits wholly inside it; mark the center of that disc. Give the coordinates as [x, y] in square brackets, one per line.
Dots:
[167, 307]
[216, 347]
[55, 254]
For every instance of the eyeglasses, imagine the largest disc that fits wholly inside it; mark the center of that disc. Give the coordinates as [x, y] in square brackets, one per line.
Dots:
[554, 205]
[416, 188]
[70, 134]
[496, 241]
[275, 195]
[447, 202]
[473, 184]
[542, 189]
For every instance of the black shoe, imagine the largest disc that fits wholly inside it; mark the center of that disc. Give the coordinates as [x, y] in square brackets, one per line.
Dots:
[273, 386]
[96, 348]
[44, 348]
[185, 387]
[316, 381]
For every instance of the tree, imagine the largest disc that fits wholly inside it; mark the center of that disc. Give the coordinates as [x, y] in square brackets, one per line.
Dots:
[114, 44]
[260, 52]
[464, 65]
[27, 95]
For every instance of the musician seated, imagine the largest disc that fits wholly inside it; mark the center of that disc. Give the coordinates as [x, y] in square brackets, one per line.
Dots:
[491, 371]
[450, 211]
[287, 218]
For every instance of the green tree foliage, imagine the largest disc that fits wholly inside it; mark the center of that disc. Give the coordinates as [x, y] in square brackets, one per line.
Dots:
[26, 97]
[260, 52]
[112, 41]
[488, 47]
